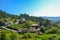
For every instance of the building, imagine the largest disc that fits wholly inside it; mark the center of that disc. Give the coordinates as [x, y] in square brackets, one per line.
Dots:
[34, 28]
[22, 20]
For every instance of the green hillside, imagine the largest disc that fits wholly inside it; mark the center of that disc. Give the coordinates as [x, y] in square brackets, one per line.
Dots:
[48, 30]
[4, 14]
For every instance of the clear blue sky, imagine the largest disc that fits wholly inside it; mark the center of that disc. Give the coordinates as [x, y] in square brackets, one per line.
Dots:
[31, 7]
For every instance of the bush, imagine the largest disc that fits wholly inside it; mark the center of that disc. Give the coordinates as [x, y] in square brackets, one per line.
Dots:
[52, 38]
[27, 36]
[53, 30]
[3, 36]
[49, 37]
[42, 29]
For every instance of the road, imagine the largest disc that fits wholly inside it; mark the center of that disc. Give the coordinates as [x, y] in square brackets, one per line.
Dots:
[8, 29]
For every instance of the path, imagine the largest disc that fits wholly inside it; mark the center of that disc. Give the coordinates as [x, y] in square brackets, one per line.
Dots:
[8, 29]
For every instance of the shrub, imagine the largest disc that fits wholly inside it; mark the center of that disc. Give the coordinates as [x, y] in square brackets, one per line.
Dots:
[53, 30]
[42, 29]
[3, 36]
[27, 36]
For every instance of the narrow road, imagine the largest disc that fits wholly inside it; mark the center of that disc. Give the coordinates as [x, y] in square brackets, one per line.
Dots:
[8, 29]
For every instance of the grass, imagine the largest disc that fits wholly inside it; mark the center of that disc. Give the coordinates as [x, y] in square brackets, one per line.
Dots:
[15, 26]
[32, 36]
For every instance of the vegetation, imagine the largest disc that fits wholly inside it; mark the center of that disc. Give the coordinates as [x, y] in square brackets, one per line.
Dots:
[49, 30]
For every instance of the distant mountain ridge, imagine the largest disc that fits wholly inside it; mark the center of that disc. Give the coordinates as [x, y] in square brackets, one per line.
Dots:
[55, 19]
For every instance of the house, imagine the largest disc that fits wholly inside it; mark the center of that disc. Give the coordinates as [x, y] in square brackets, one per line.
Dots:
[7, 24]
[22, 20]
[34, 28]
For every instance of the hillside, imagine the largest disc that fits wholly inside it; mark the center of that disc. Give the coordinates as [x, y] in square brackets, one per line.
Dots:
[4, 14]
[34, 28]
[40, 20]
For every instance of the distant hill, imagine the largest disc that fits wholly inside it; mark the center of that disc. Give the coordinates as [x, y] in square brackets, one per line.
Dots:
[3, 14]
[55, 19]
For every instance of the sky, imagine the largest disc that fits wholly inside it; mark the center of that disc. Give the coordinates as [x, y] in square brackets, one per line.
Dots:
[31, 7]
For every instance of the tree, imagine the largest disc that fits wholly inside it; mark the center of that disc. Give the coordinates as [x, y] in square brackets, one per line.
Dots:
[15, 21]
[24, 16]
[3, 36]
[5, 20]
[27, 25]
[42, 29]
